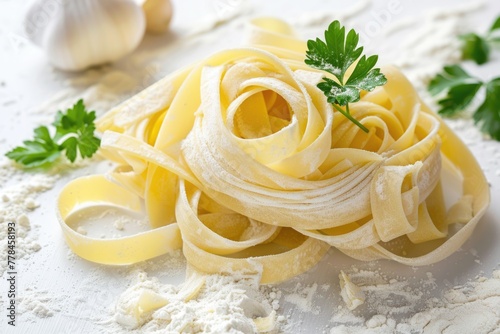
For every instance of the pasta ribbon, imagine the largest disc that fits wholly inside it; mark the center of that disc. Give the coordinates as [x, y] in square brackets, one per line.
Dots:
[241, 161]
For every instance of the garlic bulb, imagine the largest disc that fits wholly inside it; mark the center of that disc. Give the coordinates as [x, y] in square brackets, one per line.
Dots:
[158, 15]
[76, 34]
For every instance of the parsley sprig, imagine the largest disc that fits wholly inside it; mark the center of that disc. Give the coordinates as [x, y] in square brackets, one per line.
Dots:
[477, 48]
[461, 89]
[74, 132]
[336, 56]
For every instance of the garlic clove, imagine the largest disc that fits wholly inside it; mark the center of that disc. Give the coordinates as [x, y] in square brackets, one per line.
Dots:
[77, 34]
[158, 15]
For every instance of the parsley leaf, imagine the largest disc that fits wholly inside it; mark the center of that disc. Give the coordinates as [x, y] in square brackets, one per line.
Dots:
[488, 114]
[74, 132]
[477, 48]
[460, 86]
[495, 25]
[461, 89]
[86, 143]
[38, 152]
[453, 75]
[75, 120]
[78, 123]
[336, 56]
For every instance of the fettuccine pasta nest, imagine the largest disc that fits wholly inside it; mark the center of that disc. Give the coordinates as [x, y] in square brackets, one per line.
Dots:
[241, 161]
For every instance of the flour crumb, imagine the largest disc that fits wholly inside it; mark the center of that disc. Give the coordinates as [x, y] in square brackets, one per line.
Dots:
[81, 230]
[303, 297]
[31, 204]
[119, 225]
[24, 221]
[376, 321]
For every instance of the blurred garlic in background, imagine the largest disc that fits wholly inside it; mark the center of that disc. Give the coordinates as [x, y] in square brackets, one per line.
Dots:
[76, 34]
[158, 15]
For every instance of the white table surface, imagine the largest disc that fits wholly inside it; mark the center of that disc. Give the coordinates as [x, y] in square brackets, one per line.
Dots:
[29, 81]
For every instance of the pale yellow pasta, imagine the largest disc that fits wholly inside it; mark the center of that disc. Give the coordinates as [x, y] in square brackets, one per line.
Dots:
[241, 161]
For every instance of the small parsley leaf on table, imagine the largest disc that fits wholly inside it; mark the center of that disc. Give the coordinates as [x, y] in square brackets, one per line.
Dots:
[39, 151]
[461, 89]
[335, 56]
[478, 48]
[475, 48]
[74, 132]
[460, 86]
[488, 114]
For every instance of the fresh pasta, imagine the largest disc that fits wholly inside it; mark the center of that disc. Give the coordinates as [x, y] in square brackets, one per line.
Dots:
[241, 161]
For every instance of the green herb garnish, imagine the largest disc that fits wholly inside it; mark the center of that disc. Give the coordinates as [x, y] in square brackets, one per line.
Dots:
[461, 89]
[335, 57]
[460, 86]
[488, 113]
[74, 132]
[477, 48]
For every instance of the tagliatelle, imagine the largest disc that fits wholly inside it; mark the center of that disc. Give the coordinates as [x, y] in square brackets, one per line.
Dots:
[240, 160]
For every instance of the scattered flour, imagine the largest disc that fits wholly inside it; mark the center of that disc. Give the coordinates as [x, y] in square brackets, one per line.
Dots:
[385, 295]
[100, 89]
[94, 292]
[18, 191]
[203, 304]
[323, 18]
[224, 12]
[398, 308]
[36, 302]
[303, 297]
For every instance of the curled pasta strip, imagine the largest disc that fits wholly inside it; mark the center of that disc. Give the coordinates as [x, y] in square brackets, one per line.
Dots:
[241, 161]
[202, 229]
